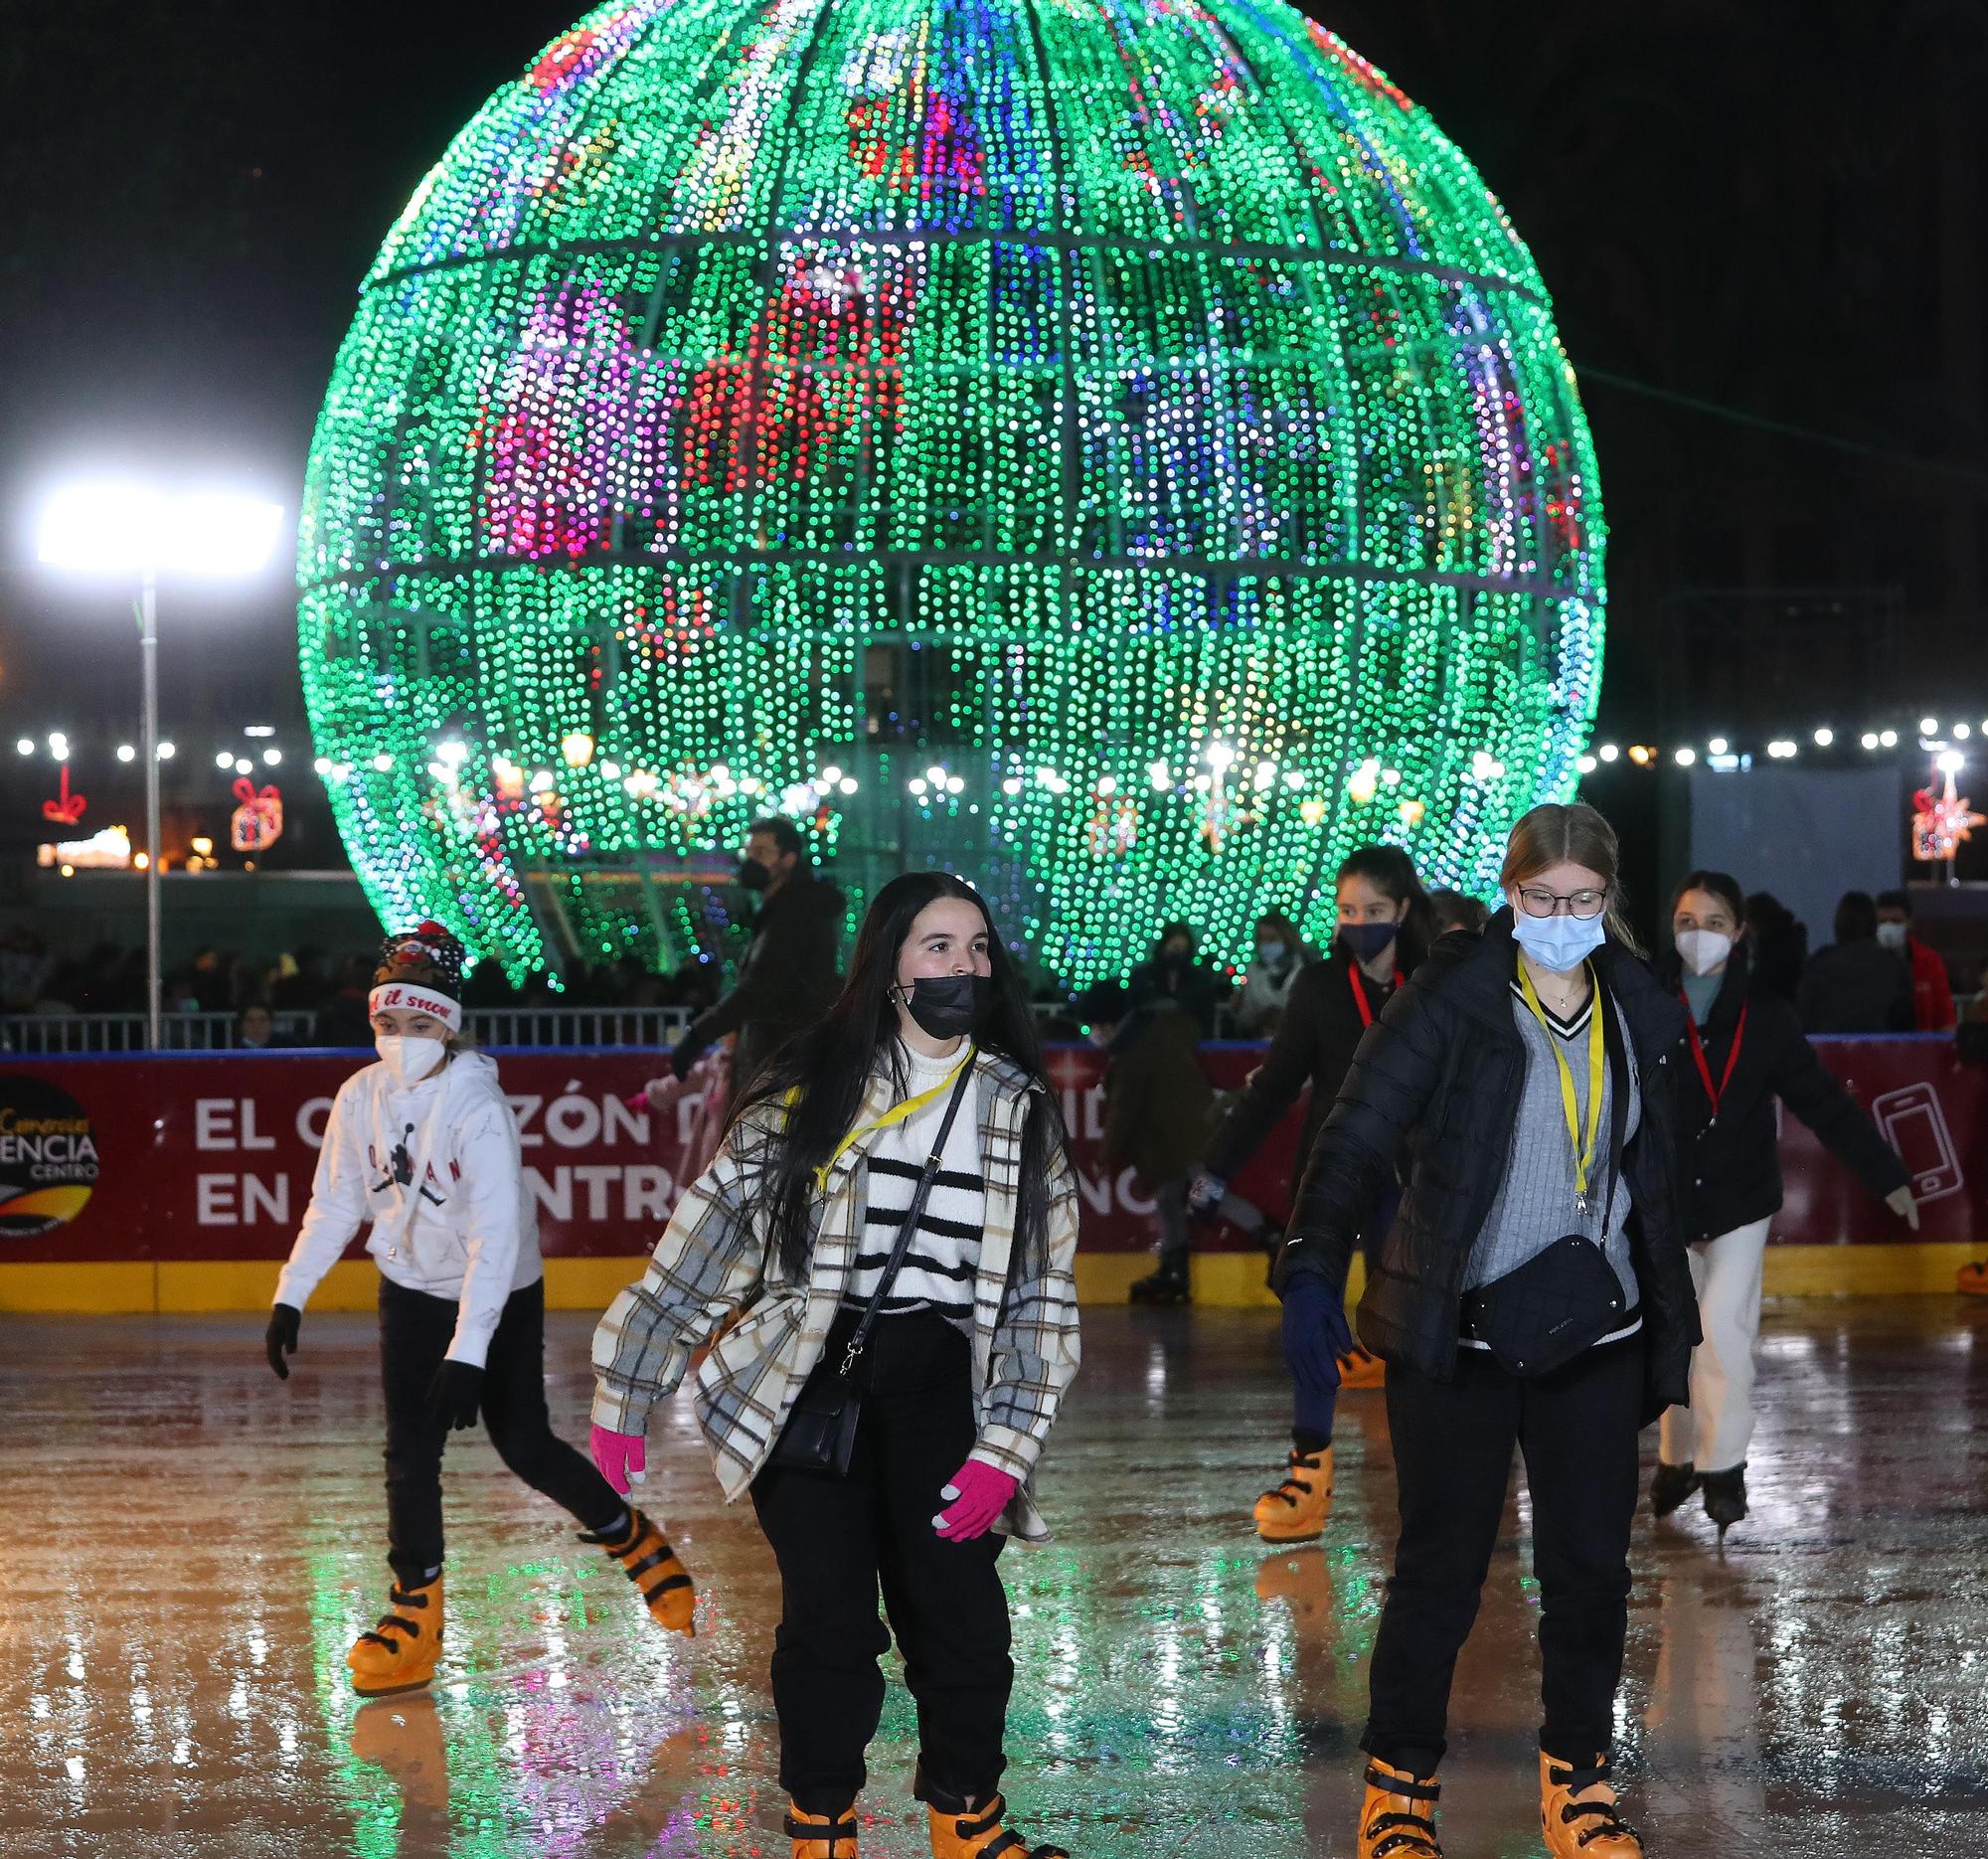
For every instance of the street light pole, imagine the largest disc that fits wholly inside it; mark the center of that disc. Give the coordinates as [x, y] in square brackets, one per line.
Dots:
[148, 645]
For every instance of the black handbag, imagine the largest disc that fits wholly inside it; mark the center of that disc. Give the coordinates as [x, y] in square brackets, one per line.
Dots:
[1567, 1298]
[820, 1434]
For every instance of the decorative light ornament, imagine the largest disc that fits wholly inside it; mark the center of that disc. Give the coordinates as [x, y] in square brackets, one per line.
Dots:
[1943, 820]
[257, 820]
[1064, 385]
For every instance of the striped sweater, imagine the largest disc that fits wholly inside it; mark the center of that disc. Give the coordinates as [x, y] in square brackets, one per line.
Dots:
[939, 1271]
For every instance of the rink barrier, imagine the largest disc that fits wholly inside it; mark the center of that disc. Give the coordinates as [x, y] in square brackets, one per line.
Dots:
[174, 1182]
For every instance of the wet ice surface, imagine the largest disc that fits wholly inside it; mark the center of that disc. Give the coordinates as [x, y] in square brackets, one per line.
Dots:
[187, 1548]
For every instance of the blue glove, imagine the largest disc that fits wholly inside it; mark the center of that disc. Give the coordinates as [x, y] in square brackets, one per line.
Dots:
[1315, 1332]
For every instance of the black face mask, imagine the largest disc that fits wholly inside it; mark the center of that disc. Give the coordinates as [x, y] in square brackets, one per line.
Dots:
[752, 875]
[1365, 941]
[948, 1006]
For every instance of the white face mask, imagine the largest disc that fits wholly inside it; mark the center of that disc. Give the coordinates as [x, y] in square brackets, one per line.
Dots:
[1702, 950]
[1893, 935]
[408, 1059]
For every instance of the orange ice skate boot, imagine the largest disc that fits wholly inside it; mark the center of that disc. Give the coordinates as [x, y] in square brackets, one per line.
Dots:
[822, 1836]
[1397, 1816]
[970, 1826]
[1972, 1280]
[400, 1653]
[1294, 1512]
[1577, 1812]
[653, 1566]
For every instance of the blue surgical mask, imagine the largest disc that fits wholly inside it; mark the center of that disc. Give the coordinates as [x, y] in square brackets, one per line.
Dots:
[1558, 943]
[1273, 955]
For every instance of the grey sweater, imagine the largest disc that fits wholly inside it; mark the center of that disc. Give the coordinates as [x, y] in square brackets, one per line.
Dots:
[1534, 1204]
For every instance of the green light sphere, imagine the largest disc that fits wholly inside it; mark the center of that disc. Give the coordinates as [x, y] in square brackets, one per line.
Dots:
[1121, 452]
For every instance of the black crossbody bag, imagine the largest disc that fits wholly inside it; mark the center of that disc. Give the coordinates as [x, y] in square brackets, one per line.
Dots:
[820, 1434]
[1567, 1298]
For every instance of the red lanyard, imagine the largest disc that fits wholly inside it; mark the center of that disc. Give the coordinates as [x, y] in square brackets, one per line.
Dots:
[1359, 988]
[1697, 1054]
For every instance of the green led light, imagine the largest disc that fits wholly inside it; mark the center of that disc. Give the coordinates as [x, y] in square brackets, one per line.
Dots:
[1119, 452]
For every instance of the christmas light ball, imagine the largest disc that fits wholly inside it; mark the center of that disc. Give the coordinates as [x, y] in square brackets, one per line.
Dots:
[1120, 453]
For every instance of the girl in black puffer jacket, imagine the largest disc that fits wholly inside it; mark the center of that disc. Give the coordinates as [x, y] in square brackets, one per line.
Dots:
[1533, 1291]
[1743, 1050]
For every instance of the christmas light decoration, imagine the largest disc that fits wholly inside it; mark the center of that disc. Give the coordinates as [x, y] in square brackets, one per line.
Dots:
[1942, 821]
[257, 822]
[1057, 393]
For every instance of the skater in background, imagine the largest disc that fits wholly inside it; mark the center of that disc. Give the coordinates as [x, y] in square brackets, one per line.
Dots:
[1280, 956]
[1157, 1102]
[787, 975]
[1932, 991]
[1175, 972]
[1381, 936]
[1744, 1050]
[1451, 910]
[1855, 984]
[422, 1145]
[1532, 1292]
[894, 1209]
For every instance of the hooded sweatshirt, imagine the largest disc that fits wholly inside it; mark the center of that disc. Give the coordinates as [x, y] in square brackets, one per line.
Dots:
[472, 1232]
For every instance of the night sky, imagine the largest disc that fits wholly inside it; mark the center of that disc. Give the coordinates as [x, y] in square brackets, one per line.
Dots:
[1779, 213]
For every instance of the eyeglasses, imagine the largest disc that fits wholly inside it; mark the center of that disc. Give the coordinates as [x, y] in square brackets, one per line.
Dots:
[1547, 903]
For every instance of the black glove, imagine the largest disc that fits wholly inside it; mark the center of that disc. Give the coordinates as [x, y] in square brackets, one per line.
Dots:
[682, 1057]
[454, 1392]
[281, 1338]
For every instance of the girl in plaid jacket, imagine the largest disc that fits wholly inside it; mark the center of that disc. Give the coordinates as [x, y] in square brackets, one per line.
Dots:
[777, 1249]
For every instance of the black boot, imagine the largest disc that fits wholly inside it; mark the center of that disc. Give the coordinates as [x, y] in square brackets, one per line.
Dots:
[1725, 1496]
[1670, 1485]
[1167, 1285]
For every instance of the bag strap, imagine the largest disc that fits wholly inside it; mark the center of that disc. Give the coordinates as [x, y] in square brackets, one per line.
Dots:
[1622, 1076]
[903, 1243]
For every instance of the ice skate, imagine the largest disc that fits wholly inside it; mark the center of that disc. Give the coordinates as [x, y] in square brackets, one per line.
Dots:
[966, 1827]
[1972, 1281]
[652, 1564]
[1168, 1286]
[1294, 1511]
[1361, 1368]
[1577, 1813]
[822, 1836]
[400, 1653]
[1398, 1817]
[1725, 1498]
[1670, 1485]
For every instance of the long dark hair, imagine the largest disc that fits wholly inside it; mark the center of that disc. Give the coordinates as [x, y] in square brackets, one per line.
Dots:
[1392, 872]
[1721, 885]
[826, 1067]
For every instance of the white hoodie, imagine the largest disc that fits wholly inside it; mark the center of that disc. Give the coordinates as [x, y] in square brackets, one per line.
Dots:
[475, 1236]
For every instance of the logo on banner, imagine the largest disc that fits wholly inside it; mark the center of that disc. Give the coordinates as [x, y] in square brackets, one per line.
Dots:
[48, 1158]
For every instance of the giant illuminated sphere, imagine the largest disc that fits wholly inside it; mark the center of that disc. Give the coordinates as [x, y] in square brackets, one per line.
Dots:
[1121, 452]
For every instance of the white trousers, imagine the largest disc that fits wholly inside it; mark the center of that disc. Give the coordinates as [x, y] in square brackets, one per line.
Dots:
[1712, 1432]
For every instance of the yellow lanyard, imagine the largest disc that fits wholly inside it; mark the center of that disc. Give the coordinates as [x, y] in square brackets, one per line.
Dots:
[1584, 1157]
[896, 1113]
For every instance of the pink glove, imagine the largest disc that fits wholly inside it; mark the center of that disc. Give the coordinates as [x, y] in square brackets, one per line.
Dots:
[980, 1494]
[660, 1092]
[621, 1456]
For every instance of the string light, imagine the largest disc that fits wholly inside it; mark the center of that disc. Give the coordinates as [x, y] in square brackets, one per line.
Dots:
[1046, 396]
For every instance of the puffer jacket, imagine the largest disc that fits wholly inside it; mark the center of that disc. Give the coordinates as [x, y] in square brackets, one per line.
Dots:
[1439, 1074]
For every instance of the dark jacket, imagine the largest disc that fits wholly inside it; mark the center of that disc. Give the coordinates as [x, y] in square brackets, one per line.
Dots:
[1855, 987]
[1313, 1045]
[1733, 1160]
[1157, 1098]
[1190, 984]
[1441, 1072]
[786, 980]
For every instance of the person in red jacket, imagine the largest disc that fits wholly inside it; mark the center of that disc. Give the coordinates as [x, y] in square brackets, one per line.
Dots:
[1932, 994]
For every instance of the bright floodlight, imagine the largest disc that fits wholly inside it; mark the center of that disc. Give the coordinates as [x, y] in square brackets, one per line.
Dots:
[120, 528]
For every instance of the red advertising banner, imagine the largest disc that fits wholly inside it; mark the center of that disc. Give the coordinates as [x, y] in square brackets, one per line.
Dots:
[209, 1156]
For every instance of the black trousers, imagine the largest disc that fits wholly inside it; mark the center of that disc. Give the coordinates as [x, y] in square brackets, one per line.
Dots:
[1453, 1462]
[415, 1333]
[838, 1540]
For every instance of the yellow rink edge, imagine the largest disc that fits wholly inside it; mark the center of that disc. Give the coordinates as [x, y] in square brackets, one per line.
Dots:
[1230, 1280]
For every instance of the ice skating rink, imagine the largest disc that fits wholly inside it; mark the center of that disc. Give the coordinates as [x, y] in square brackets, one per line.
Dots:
[187, 1547]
